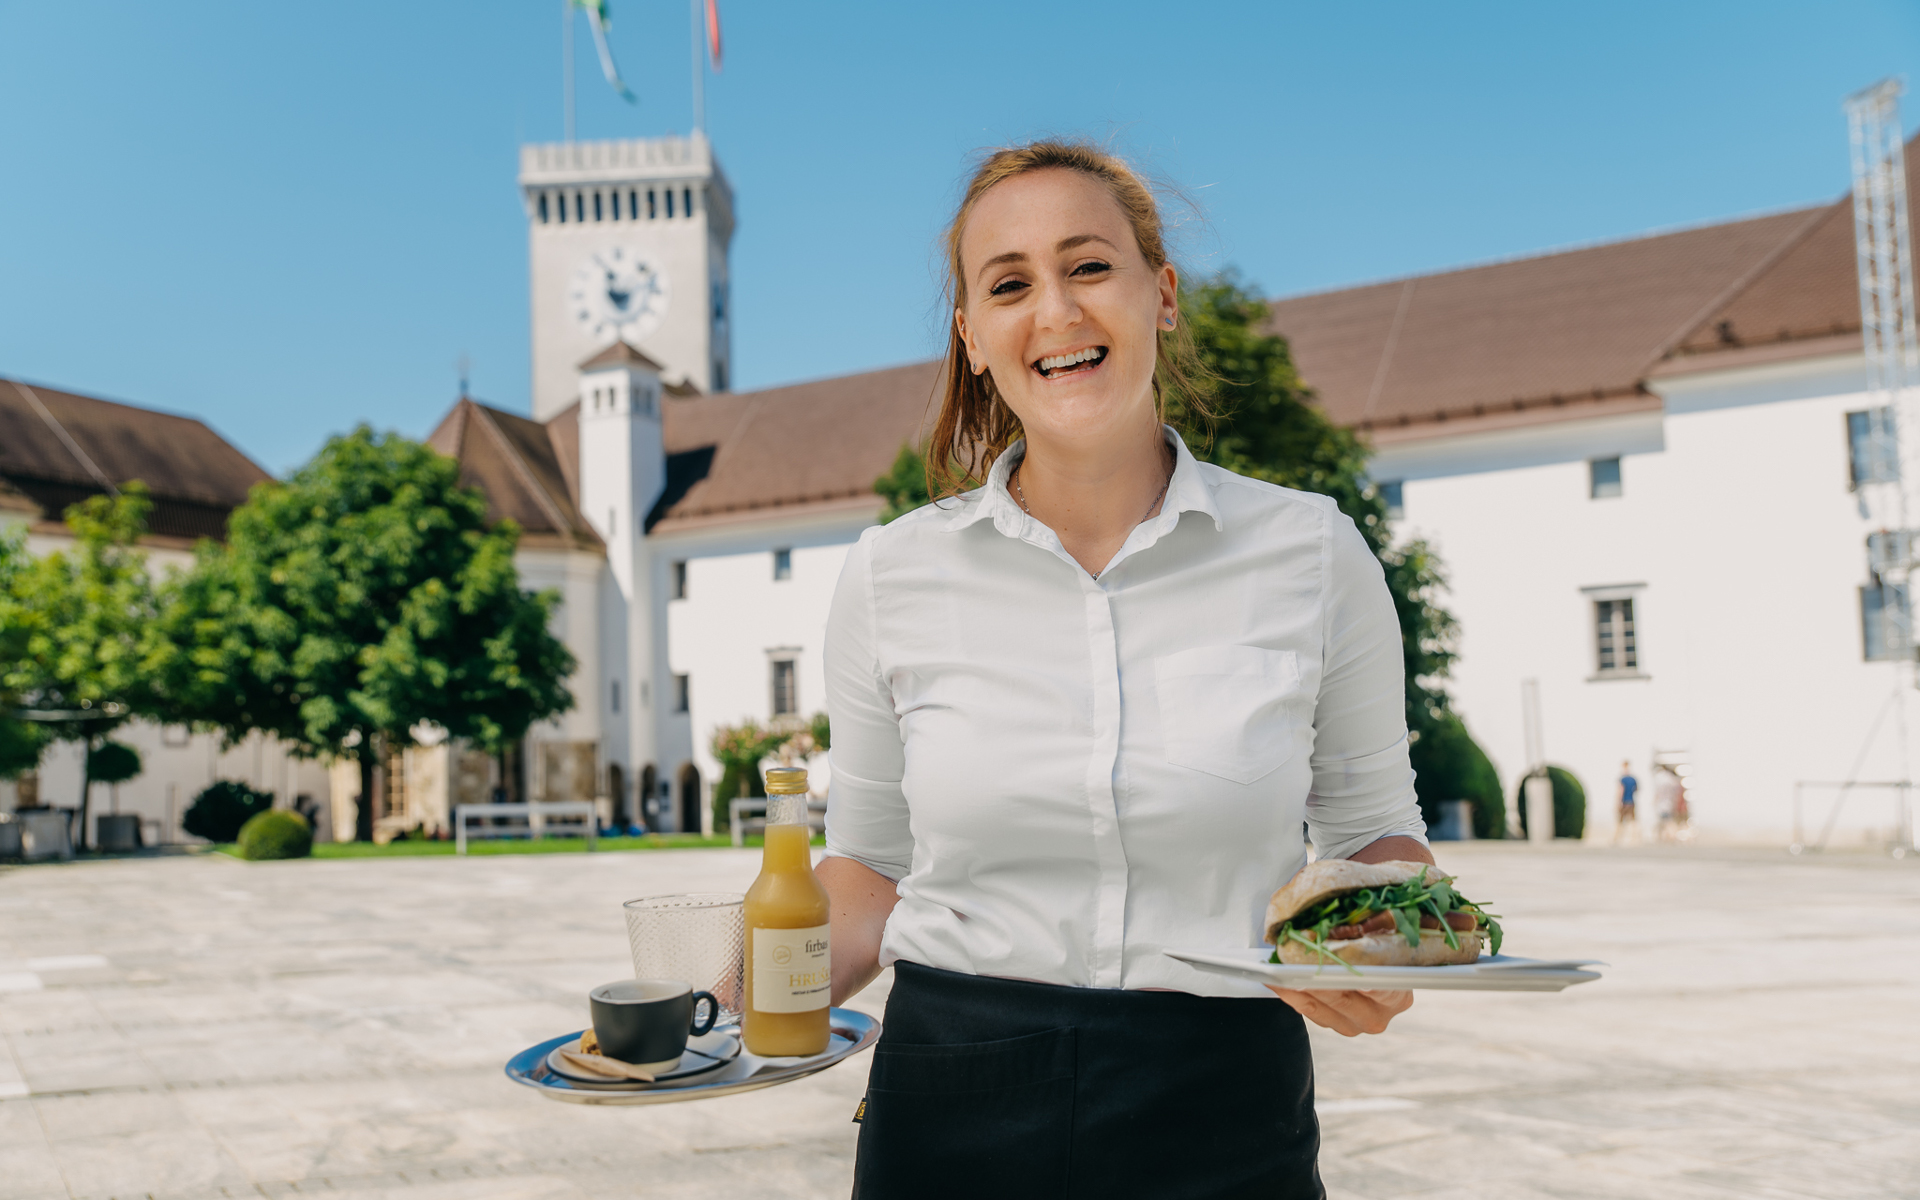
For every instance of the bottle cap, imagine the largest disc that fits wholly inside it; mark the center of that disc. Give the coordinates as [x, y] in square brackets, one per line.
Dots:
[786, 781]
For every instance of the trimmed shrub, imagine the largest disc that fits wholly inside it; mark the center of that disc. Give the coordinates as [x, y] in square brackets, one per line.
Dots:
[1449, 765]
[217, 813]
[112, 762]
[1569, 804]
[276, 834]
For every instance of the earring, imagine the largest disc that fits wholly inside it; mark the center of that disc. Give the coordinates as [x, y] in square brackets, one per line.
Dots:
[1169, 322]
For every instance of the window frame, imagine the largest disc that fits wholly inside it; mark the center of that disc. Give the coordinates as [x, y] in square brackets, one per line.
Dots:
[1618, 484]
[1877, 648]
[782, 564]
[1860, 454]
[791, 662]
[682, 693]
[1626, 632]
[677, 580]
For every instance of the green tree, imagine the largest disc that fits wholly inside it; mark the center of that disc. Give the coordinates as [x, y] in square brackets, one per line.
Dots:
[362, 599]
[92, 648]
[21, 741]
[1269, 428]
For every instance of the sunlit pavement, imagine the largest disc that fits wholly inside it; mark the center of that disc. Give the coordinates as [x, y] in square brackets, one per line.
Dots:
[200, 1027]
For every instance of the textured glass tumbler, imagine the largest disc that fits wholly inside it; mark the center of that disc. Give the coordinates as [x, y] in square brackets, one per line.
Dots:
[699, 938]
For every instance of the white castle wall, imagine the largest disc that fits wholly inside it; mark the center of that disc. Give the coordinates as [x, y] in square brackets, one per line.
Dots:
[1738, 520]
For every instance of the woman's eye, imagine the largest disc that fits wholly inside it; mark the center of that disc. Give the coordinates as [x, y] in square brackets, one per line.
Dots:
[1007, 287]
[1092, 268]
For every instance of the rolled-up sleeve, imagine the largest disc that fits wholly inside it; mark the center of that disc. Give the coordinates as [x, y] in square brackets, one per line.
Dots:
[866, 810]
[1362, 779]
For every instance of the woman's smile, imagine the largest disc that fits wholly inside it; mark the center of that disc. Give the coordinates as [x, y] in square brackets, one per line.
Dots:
[1084, 361]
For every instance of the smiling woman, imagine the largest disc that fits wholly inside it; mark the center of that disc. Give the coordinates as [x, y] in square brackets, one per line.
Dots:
[1081, 714]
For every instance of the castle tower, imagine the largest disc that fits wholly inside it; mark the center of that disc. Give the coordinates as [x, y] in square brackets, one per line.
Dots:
[622, 472]
[627, 241]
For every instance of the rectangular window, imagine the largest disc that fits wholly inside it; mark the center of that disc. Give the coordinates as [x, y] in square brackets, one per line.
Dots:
[613, 202]
[686, 202]
[1391, 496]
[682, 692]
[653, 208]
[1873, 455]
[1603, 478]
[543, 208]
[669, 204]
[786, 699]
[1885, 622]
[614, 696]
[1613, 636]
[560, 204]
[680, 580]
[783, 564]
[596, 207]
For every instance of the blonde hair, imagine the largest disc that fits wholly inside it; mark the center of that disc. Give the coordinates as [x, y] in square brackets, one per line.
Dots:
[975, 426]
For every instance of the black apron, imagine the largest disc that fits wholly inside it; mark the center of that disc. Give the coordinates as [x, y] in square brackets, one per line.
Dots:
[993, 1087]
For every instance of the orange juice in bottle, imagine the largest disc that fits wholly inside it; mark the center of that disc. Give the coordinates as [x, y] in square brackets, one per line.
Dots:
[789, 967]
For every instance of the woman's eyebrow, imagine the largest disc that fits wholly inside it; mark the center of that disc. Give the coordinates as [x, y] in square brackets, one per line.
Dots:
[1060, 247]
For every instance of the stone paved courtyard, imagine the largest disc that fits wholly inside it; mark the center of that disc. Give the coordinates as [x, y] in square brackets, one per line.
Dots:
[196, 1027]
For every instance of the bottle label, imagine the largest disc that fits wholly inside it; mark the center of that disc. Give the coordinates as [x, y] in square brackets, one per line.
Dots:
[792, 970]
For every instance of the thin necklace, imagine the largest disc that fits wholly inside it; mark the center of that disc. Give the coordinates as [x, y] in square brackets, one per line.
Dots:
[1020, 493]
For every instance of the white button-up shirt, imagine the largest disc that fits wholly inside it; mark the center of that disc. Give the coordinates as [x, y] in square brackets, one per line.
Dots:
[1066, 774]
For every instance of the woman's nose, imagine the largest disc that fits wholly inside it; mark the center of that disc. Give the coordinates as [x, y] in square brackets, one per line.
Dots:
[1058, 308]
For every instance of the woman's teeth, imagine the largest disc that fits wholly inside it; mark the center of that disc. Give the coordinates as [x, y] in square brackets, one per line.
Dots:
[1060, 362]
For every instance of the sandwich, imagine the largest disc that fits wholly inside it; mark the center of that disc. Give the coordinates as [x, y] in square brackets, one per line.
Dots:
[1390, 914]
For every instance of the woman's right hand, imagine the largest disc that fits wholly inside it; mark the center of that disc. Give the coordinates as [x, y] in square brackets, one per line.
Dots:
[860, 899]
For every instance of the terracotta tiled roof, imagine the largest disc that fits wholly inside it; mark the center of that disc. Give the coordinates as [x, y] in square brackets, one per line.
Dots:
[515, 463]
[1536, 339]
[57, 448]
[1578, 333]
[808, 445]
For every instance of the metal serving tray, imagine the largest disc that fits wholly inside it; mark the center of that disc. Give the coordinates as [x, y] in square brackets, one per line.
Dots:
[850, 1033]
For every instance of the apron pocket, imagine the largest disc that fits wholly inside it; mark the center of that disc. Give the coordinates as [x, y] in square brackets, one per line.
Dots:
[968, 1120]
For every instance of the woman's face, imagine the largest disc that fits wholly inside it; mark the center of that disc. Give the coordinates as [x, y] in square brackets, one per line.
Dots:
[1062, 307]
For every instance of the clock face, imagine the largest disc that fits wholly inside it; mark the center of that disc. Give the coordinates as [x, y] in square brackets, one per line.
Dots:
[618, 293]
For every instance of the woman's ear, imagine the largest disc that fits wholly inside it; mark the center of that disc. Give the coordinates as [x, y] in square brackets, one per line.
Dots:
[1169, 296]
[974, 362]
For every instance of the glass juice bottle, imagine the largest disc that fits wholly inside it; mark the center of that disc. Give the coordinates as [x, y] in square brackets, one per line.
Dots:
[789, 967]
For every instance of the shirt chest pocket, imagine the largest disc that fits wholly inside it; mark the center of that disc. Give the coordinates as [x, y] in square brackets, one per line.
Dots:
[1231, 711]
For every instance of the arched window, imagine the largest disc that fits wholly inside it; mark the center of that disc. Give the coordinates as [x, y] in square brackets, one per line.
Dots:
[580, 206]
[613, 198]
[562, 207]
[653, 209]
[633, 206]
[596, 207]
[543, 208]
[669, 204]
[686, 201]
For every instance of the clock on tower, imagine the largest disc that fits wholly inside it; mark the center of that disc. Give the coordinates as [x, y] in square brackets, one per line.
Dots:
[615, 230]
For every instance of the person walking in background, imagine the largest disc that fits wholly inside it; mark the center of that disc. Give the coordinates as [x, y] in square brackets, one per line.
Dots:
[1666, 803]
[1627, 822]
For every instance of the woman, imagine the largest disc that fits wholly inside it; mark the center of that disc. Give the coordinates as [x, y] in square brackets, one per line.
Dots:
[1080, 715]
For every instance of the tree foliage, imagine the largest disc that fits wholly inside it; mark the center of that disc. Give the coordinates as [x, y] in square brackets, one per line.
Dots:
[361, 599]
[222, 808]
[85, 623]
[21, 741]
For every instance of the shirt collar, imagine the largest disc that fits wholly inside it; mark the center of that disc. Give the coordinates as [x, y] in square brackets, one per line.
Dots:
[1187, 491]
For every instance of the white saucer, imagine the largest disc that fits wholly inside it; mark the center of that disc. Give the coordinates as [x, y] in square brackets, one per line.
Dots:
[704, 1053]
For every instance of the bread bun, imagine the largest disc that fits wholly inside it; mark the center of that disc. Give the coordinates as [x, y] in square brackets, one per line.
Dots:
[1331, 876]
[1390, 950]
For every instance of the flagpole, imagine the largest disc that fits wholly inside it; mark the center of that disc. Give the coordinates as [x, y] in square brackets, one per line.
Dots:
[699, 70]
[566, 60]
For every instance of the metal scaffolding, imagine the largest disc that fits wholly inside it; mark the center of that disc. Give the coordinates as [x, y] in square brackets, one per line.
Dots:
[1889, 468]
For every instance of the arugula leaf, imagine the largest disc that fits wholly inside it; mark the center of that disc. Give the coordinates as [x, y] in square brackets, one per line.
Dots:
[1408, 925]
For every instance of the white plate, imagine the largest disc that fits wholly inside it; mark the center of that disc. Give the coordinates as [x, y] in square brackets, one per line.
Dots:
[1499, 973]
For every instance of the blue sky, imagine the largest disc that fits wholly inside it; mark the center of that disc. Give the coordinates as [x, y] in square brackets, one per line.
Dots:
[289, 218]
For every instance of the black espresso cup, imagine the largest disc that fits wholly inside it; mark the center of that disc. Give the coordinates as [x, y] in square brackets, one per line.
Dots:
[646, 1022]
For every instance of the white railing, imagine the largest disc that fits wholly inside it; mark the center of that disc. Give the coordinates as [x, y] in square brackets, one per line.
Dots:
[737, 809]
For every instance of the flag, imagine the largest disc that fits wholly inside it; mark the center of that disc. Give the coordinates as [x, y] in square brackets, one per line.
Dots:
[601, 20]
[713, 31]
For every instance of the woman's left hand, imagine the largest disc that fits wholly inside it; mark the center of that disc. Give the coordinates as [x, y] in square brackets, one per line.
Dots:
[1349, 1014]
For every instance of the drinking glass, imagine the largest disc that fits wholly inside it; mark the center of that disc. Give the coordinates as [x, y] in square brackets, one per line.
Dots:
[696, 937]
